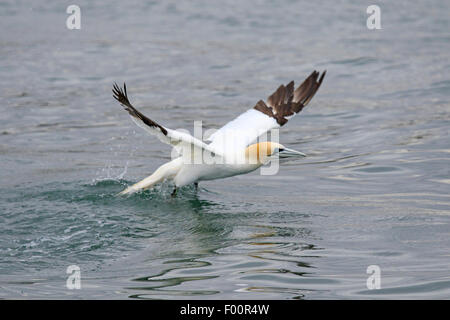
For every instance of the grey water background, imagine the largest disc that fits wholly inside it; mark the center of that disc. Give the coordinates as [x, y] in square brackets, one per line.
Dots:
[374, 189]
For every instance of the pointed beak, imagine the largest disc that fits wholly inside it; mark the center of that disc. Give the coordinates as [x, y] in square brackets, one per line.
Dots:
[289, 153]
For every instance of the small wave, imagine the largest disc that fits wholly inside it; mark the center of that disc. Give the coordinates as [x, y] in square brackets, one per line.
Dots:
[356, 61]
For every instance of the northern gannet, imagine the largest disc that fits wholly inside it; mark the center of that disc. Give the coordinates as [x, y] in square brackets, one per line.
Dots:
[231, 150]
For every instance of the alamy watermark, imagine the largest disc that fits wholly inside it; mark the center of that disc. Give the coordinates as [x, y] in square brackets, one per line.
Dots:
[374, 20]
[374, 280]
[241, 147]
[74, 279]
[74, 20]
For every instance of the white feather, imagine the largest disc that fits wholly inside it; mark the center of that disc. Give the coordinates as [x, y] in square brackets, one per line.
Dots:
[237, 134]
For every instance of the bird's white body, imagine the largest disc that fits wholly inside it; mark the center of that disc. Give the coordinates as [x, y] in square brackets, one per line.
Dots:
[229, 151]
[183, 174]
[190, 173]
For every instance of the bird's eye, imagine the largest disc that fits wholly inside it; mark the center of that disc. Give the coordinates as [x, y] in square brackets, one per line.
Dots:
[280, 150]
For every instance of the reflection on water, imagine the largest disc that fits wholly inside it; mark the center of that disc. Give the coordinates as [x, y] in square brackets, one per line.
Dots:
[160, 284]
[243, 252]
[254, 260]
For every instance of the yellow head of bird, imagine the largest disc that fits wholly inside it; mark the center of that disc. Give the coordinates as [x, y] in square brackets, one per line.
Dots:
[259, 153]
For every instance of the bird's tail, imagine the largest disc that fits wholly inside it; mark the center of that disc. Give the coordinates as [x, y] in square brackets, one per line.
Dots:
[166, 171]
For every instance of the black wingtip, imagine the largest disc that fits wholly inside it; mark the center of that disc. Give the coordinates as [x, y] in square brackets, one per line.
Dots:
[322, 76]
[121, 94]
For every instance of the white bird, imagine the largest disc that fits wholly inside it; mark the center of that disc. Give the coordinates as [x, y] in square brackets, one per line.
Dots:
[231, 150]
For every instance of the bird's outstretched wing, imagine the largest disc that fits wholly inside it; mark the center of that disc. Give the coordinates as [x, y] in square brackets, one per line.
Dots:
[179, 140]
[283, 104]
